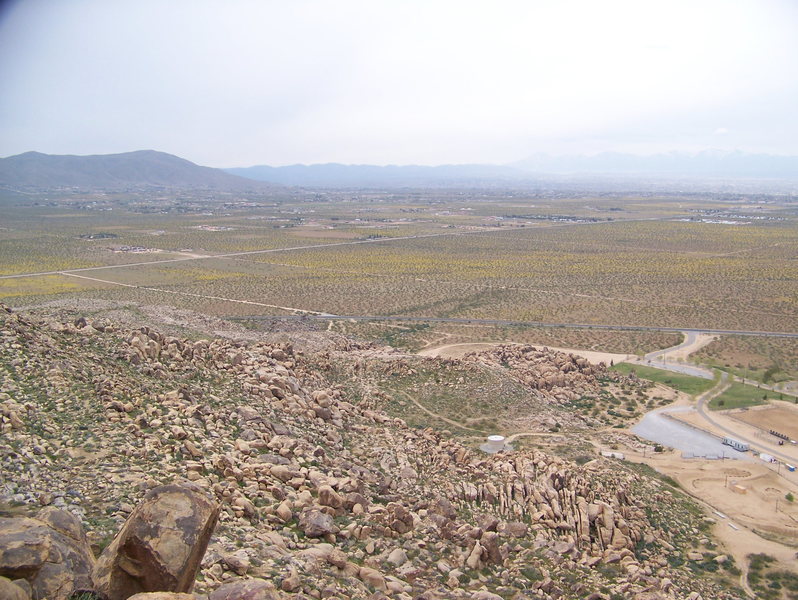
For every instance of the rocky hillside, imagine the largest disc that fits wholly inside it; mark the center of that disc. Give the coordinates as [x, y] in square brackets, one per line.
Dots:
[321, 495]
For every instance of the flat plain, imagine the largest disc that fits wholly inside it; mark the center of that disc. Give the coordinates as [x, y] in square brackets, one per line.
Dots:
[670, 261]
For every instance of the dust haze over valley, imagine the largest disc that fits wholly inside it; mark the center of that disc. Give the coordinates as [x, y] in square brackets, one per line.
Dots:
[493, 303]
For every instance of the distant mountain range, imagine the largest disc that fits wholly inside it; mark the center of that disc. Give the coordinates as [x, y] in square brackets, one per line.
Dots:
[705, 165]
[148, 168]
[338, 175]
[144, 168]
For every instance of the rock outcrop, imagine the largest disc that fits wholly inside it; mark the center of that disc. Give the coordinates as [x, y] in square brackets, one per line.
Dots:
[50, 552]
[555, 375]
[161, 545]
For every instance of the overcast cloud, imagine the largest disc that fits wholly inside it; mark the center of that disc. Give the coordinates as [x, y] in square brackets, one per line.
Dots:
[238, 83]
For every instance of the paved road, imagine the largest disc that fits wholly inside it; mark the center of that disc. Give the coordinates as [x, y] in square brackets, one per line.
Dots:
[689, 339]
[657, 358]
[684, 369]
[331, 317]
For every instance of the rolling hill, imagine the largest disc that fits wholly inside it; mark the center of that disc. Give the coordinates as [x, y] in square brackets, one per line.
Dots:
[143, 168]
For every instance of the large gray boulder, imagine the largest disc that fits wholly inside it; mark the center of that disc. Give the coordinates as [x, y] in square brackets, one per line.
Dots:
[160, 546]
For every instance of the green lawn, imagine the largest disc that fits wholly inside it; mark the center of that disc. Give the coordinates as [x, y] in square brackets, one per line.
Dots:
[739, 395]
[684, 383]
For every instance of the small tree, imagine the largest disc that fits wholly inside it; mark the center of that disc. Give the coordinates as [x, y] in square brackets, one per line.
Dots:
[789, 497]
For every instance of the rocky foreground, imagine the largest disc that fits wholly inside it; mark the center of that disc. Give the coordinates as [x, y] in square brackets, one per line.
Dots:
[309, 494]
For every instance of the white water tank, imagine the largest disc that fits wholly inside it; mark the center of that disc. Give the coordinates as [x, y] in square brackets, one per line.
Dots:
[495, 444]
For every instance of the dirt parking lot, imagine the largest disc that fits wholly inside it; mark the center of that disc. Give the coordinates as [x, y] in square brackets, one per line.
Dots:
[781, 417]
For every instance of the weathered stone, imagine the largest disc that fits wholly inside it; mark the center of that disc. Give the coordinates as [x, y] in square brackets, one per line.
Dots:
[316, 523]
[373, 578]
[563, 547]
[160, 546]
[284, 512]
[291, 583]
[337, 558]
[695, 556]
[399, 518]
[514, 529]
[283, 473]
[485, 595]
[475, 556]
[238, 562]
[9, 591]
[248, 589]
[50, 552]
[397, 557]
[490, 542]
[329, 497]
[163, 596]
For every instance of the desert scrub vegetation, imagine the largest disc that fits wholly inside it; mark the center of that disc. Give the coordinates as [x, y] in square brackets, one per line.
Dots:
[414, 336]
[472, 401]
[46, 285]
[763, 359]
[769, 580]
[37, 254]
[683, 383]
[658, 273]
[583, 275]
[617, 403]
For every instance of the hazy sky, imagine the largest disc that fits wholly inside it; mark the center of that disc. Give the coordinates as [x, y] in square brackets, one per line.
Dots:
[235, 83]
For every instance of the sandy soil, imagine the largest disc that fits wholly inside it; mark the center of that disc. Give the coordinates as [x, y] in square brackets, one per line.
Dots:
[781, 416]
[710, 482]
[458, 350]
